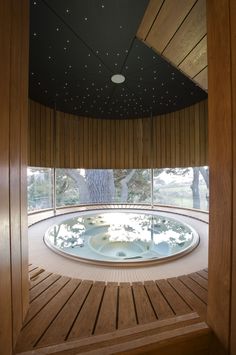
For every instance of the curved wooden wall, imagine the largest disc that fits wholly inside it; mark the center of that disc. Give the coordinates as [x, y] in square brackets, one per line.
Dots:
[14, 34]
[177, 139]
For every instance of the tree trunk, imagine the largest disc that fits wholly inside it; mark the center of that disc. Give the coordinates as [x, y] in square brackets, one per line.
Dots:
[124, 186]
[205, 175]
[100, 185]
[195, 188]
[81, 183]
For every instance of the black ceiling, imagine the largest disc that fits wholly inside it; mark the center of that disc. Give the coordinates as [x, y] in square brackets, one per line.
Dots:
[77, 45]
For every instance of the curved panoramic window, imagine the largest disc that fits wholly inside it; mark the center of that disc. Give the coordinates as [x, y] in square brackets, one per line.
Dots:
[182, 187]
[39, 188]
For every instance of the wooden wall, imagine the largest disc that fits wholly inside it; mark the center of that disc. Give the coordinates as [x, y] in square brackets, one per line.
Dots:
[178, 32]
[222, 161]
[177, 139]
[13, 162]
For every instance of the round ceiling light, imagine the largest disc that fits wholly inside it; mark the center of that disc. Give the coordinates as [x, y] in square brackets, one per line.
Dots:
[117, 78]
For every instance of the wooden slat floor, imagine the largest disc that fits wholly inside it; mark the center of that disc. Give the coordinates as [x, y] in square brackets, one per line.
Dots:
[64, 309]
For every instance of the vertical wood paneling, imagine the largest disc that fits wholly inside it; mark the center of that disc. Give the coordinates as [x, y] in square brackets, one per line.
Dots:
[15, 231]
[197, 136]
[222, 158]
[23, 107]
[179, 139]
[13, 158]
[5, 262]
[233, 273]
[172, 142]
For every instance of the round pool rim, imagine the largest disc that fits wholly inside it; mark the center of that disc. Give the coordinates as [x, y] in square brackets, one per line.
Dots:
[126, 263]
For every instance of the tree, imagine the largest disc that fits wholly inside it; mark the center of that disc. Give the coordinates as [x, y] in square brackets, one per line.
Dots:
[100, 184]
[39, 188]
[195, 188]
[204, 171]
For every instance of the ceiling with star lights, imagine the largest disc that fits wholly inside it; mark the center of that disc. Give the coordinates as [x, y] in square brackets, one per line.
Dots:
[77, 46]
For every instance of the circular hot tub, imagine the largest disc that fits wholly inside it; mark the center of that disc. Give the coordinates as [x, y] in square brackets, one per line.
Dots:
[122, 237]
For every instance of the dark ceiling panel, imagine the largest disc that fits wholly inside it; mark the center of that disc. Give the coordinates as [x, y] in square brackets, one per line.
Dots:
[77, 45]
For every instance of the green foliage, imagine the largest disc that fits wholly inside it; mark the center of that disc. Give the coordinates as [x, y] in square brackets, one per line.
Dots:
[78, 186]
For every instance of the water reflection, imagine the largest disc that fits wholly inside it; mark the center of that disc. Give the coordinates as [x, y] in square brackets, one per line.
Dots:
[121, 236]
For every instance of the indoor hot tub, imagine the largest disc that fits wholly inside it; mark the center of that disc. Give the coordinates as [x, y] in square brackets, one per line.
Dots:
[121, 237]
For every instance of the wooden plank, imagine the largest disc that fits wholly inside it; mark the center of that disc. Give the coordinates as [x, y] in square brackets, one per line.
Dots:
[186, 135]
[202, 79]
[32, 267]
[13, 143]
[129, 142]
[42, 286]
[177, 304]
[149, 18]
[196, 60]
[233, 251]
[221, 303]
[163, 140]
[126, 309]
[81, 137]
[15, 171]
[197, 135]
[191, 339]
[168, 140]
[72, 143]
[192, 300]
[75, 147]
[173, 142]
[144, 309]
[167, 23]
[122, 143]
[33, 331]
[43, 135]
[178, 139]
[38, 278]
[23, 108]
[84, 325]
[192, 30]
[203, 274]
[159, 303]
[35, 272]
[200, 280]
[44, 298]
[5, 246]
[194, 287]
[60, 327]
[182, 138]
[108, 312]
[192, 143]
[100, 142]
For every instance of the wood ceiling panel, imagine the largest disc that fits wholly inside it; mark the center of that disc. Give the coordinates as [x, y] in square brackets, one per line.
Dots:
[196, 61]
[167, 23]
[179, 33]
[202, 79]
[192, 30]
[149, 17]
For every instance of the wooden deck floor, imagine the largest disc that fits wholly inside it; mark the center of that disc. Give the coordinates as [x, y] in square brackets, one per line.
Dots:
[64, 309]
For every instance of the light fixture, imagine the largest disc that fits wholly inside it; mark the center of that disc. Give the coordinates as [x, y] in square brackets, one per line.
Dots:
[117, 78]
